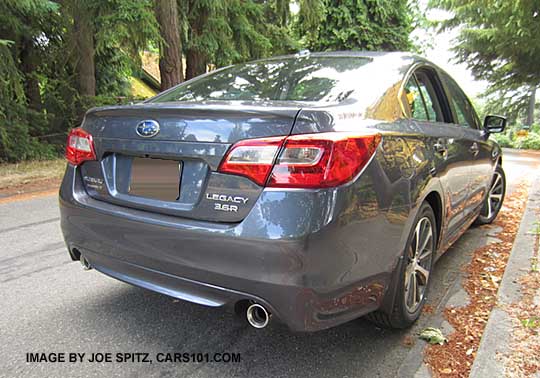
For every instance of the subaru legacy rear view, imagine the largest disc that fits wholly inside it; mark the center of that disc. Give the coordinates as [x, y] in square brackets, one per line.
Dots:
[310, 189]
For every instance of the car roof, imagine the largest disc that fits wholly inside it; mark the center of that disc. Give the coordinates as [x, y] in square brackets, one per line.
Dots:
[401, 59]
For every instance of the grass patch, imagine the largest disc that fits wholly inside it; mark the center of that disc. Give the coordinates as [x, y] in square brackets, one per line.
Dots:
[29, 171]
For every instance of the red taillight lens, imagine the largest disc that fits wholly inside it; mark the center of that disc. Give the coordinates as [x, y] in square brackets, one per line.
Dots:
[252, 158]
[306, 161]
[324, 160]
[80, 146]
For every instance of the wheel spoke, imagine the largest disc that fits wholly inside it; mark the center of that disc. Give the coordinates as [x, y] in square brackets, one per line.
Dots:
[497, 180]
[409, 300]
[417, 233]
[407, 278]
[425, 241]
[411, 253]
[497, 197]
[424, 255]
[423, 272]
[497, 189]
[415, 289]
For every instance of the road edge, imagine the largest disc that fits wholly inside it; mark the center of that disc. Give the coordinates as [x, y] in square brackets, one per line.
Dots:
[519, 150]
[29, 196]
[498, 329]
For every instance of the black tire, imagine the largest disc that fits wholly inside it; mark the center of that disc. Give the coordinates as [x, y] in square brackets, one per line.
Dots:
[402, 315]
[491, 205]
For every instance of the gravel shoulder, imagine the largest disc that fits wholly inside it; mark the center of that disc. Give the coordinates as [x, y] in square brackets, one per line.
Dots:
[30, 177]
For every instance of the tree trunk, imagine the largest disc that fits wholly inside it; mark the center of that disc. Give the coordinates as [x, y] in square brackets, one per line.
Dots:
[170, 56]
[196, 59]
[195, 63]
[29, 64]
[83, 33]
[532, 103]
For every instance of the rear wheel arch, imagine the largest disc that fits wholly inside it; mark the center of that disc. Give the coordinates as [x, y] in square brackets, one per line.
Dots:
[391, 313]
[434, 200]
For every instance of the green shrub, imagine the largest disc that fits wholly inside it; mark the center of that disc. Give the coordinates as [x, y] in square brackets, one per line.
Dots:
[511, 134]
[502, 139]
[17, 144]
[19, 126]
[530, 142]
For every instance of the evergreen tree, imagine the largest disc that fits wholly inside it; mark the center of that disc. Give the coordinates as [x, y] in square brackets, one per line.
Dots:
[108, 32]
[232, 31]
[359, 25]
[61, 57]
[497, 40]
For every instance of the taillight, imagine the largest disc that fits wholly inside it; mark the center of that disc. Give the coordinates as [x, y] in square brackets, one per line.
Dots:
[322, 160]
[252, 158]
[80, 146]
[306, 161]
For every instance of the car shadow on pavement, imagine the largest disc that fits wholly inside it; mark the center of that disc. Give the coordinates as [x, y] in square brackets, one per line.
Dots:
[135, 319]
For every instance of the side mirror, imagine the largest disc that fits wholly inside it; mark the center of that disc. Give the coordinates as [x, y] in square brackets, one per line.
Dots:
[494, 124]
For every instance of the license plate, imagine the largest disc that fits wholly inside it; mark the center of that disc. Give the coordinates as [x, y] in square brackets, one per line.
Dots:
[155, 178]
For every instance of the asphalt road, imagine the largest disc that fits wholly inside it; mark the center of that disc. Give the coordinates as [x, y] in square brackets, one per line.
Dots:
[49, 304]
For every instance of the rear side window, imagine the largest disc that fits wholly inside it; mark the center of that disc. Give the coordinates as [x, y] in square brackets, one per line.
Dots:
[414, 100]
[464, 112]
[421, 99]
[430, 102]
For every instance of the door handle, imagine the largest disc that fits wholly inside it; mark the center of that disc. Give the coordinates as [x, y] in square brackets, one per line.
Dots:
[474, 149]
[440, 147]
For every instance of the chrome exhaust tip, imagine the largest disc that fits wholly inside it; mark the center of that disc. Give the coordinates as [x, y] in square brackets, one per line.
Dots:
[258, 316]
[85, 263]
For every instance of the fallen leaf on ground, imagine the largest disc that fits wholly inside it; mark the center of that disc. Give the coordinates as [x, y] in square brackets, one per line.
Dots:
[481, 285]
[433, 336]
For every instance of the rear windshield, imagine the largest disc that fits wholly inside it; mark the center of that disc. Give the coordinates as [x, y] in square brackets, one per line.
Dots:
[318, 79]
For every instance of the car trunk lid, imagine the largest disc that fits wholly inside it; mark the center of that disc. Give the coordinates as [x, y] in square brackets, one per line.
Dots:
[174, 171]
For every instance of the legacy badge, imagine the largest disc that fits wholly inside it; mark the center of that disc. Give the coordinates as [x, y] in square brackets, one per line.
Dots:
[226, 198]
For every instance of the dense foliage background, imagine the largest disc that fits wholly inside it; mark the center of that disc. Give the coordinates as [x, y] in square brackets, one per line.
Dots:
[61, 57]
[498, 40]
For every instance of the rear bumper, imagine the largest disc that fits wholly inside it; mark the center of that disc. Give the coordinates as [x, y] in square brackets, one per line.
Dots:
[310, 269]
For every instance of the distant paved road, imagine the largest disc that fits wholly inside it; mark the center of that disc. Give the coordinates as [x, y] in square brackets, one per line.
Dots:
[50, 305]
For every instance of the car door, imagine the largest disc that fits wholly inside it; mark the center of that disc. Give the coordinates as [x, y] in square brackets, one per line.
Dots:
[430, 111]
[479, 147]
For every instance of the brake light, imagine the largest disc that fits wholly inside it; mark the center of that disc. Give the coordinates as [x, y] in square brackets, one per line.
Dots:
[306, 161]
[80, 146]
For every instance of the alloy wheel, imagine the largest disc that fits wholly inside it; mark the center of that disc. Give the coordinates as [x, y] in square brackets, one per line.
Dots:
[418, 269]
[495, 196]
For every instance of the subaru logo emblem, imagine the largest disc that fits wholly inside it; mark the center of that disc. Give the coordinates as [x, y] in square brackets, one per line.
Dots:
[147, 129]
